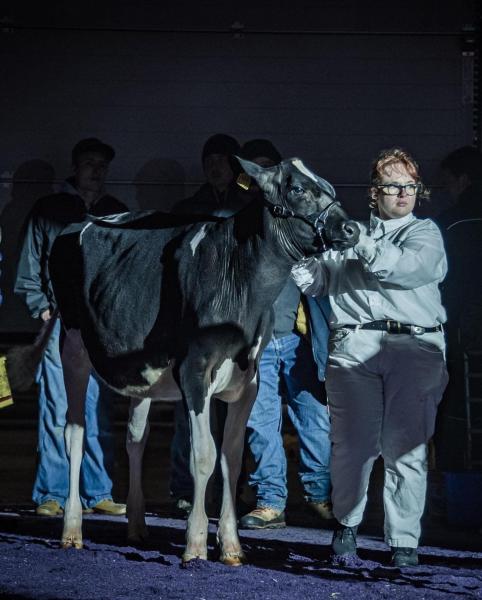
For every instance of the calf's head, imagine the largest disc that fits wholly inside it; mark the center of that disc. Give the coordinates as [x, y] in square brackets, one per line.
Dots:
[304, 207]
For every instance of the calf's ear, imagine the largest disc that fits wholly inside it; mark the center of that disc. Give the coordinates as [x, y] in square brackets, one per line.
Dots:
[265, 177]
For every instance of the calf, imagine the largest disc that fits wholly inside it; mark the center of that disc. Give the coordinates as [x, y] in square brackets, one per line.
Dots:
[168, 310]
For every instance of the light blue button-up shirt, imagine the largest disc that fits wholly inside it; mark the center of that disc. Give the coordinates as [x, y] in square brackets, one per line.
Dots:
[393, 272]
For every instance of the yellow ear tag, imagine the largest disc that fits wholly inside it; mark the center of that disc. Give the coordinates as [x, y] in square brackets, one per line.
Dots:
[243, 181]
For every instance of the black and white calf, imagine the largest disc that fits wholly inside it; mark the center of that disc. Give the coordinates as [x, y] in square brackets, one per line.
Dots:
[166, 310]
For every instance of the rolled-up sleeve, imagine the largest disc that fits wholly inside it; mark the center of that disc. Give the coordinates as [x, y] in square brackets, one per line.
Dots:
[417, 260]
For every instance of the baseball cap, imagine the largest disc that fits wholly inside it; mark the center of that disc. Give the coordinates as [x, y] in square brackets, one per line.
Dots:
[220, 143]
[260, 147]
[92, 145]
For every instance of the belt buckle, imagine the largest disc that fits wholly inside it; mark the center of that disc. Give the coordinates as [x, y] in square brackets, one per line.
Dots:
[416, 330]
[393, 326]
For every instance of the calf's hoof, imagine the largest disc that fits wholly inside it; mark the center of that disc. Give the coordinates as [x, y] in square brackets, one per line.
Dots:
[233, 559]
[71, 541]
[188, 557]
[138, 536]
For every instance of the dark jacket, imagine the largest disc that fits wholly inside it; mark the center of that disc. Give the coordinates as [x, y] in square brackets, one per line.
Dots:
[468, 206]
[461, 227]
[208, 201]
[49, 216]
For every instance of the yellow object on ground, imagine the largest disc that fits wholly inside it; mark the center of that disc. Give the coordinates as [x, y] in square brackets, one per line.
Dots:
[5, 391]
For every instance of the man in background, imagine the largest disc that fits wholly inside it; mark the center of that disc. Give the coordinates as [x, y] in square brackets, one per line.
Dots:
[461, 227]
[291, 368]
[219, 196]
[81, 194]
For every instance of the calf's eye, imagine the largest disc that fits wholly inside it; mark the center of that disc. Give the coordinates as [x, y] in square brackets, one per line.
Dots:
[297, 190]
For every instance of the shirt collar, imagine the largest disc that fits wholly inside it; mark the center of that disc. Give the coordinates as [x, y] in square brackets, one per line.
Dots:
[68, 187]
[390, 224]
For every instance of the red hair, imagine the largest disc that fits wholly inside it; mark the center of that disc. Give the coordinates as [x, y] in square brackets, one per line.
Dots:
[392, 156]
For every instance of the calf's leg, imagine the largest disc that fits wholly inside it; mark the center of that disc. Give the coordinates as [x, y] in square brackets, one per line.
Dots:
[202, 460]
[137, 434]
[76, 367]
[231, 456]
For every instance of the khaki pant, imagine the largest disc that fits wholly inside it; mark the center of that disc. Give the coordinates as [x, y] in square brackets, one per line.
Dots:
[383, 392]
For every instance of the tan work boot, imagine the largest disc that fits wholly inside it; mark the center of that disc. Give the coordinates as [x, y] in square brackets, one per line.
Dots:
[263, 518]
[49, 508]
[107, 507]
[322, 509]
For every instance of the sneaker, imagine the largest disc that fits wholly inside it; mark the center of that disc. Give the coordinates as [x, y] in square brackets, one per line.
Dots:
[109, 507]
[344, 540]
[263, 518]
[49, 508]
[404, 557]
[322, 509]
[181, 509]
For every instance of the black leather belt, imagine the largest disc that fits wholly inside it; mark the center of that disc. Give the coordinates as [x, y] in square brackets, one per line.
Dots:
[395, 327]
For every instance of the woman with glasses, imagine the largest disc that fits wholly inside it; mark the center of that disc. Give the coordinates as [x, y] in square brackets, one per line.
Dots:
[386, 371]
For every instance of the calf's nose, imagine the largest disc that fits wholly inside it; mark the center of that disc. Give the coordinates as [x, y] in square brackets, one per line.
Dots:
[351, 231]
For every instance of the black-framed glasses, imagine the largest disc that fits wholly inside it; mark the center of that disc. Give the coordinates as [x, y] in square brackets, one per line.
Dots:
[395, 189]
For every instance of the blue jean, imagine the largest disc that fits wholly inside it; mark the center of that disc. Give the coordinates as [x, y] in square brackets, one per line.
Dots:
[52, 479]
[288, 361]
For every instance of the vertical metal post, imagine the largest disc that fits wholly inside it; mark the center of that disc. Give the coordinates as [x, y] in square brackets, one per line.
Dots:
[470, 77]
[478, 80]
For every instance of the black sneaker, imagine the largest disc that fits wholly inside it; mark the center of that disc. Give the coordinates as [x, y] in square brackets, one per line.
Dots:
[263, 518]
[404, 557]
[344, 540]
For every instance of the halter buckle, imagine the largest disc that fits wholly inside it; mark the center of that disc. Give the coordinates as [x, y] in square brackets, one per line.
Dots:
[278, 210]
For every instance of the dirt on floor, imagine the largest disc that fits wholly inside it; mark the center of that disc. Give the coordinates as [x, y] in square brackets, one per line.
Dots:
[293, 563]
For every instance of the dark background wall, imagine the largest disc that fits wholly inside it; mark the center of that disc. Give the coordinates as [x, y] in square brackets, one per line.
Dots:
[331, 82]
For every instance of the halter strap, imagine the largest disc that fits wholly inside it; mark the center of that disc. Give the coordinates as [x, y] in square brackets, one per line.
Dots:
[318, 225]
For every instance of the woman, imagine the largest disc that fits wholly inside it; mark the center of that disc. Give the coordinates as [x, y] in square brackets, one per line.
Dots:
[386, 372]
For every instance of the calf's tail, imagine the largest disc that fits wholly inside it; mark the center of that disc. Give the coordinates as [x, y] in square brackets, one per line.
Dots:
[22, 361]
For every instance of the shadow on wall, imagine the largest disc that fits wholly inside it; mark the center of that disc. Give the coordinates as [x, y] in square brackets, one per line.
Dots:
[31, 180]
[159, 184]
